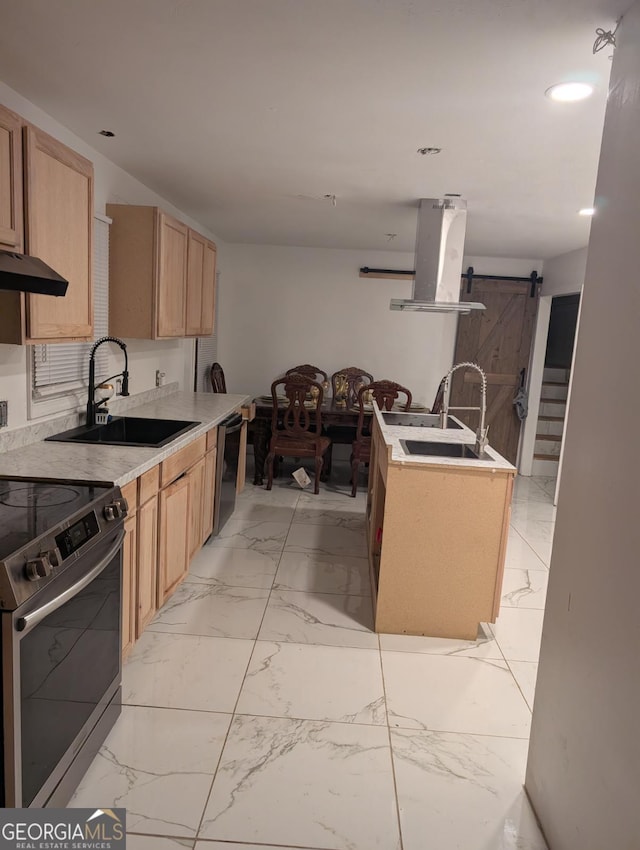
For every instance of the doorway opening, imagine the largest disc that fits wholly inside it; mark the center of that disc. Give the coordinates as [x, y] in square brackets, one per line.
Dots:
[563, 320]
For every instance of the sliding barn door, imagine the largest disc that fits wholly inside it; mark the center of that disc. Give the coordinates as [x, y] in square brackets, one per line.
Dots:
[498, 339]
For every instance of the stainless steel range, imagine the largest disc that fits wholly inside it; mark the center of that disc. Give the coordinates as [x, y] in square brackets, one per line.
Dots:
[60, 601]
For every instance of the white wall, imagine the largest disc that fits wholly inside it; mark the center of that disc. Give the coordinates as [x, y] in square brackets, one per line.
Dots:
[564, 275]
[583, 774]
[112, 185]
[283, 306]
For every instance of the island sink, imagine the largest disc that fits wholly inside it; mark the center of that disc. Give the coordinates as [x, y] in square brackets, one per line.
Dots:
[417, 420]
[128, 431]
[463, 450]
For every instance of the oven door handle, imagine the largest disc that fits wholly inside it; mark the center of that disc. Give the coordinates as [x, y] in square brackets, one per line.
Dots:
[30, 621]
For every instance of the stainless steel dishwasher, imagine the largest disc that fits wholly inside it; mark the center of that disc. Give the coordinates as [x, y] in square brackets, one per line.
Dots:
[226, 470]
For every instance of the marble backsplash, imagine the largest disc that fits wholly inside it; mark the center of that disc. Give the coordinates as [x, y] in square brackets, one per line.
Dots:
[41, 429]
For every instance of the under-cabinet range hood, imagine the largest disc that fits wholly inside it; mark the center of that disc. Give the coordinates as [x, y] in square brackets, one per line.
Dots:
[442, 224]
[21, 273]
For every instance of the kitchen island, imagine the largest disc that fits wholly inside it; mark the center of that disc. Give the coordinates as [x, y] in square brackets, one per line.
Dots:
[436, 533]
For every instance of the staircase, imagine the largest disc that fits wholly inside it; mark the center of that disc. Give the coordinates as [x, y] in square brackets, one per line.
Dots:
[553, 403]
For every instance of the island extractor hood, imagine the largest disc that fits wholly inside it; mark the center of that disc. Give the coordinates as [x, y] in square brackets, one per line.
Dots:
[442, 225]
[21, 273]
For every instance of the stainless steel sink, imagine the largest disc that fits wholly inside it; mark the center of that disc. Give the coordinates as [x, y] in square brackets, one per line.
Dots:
[462, 450]
[128, 431]
[417, 420]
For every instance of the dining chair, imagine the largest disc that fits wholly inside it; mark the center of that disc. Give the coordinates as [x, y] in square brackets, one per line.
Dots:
[218, 383]
[436, 407]
[296, 431]
[355, 377]
[314, 372]
[385, 393]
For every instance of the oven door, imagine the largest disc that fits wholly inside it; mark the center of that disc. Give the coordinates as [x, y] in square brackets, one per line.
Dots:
[61, 673]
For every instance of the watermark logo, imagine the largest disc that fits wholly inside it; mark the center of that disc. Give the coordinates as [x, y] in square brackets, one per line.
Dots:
[63, 829]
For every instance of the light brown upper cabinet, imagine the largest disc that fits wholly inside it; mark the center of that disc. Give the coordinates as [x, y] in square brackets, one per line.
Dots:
[201, 284]
[162, 275]
[11, 224]
[54, 188]
[59, 229]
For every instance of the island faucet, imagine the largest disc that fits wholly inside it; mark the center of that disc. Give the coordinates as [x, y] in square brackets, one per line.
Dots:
[91, 402]
[481, 433]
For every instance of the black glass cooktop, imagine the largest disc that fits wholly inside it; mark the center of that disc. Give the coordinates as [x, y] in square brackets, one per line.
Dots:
[31, 508]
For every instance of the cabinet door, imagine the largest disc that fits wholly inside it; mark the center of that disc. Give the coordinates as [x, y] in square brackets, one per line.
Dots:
[196, 491]
[128, 585]
[10, 180]
[209, 493]
[172, 276]
[208, 290]
[173, 534]
[147, 588]
[59, 227]
[195, 278]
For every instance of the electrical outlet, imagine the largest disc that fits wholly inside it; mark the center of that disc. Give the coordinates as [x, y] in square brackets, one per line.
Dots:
[4, 414]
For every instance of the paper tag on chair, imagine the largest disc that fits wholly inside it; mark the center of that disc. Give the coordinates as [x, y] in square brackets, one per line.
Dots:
[301, 477]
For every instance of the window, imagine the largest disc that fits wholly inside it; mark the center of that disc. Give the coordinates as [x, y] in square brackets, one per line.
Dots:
[59, 372]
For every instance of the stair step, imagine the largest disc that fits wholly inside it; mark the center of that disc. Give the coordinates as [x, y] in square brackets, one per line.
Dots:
[556, 438]
[551, 418]
[553, 401]
[545, 457]
[555, 383]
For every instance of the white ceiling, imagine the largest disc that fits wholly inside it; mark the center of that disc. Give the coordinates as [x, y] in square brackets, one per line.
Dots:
[245, 113]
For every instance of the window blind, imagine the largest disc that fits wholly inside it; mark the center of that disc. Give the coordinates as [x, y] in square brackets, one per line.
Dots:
[62, 367]
[207, 354]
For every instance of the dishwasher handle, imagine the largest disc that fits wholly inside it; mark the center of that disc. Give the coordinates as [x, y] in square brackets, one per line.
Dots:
[232, 423]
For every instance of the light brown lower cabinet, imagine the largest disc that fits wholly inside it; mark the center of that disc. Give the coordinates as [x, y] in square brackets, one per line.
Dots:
[128, 585]
[174, 536]
[208, 494]
[170, 516]
[196, 491]
[147, 576]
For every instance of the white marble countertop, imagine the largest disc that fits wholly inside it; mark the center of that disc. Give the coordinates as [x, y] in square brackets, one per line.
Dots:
[120, 464]
[392, 434]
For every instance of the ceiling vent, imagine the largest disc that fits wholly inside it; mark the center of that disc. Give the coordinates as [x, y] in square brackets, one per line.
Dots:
[442, 223]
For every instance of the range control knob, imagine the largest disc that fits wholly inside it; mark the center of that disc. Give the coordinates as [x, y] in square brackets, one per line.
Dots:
[115, 509]
[38, 568]
[55, 557]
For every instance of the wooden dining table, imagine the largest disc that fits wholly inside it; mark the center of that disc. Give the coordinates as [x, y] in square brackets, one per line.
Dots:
[331, 414]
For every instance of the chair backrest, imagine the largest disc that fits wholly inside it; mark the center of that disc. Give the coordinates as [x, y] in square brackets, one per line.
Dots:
[436, 407]
[314, 372]
[385, 393]
[299, 419]
[355, 378]
[218, 383]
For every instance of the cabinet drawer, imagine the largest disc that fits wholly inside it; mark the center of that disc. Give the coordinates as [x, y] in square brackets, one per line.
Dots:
[178, 463]
[130, 492]
[212, 439]
[148, 484]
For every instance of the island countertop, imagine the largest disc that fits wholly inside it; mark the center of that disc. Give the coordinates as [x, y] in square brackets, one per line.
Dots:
[392, 434]
[120, 464]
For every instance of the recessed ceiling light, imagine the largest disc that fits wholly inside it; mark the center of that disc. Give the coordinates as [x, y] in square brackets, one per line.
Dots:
[587, 211]
[108, 133]
[429, 151]
[569, 92]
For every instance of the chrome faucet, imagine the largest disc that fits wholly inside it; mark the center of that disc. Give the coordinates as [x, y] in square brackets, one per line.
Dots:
[481, 433]
[91, 402]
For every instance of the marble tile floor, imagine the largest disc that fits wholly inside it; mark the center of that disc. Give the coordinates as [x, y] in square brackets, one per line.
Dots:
[263, 713]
